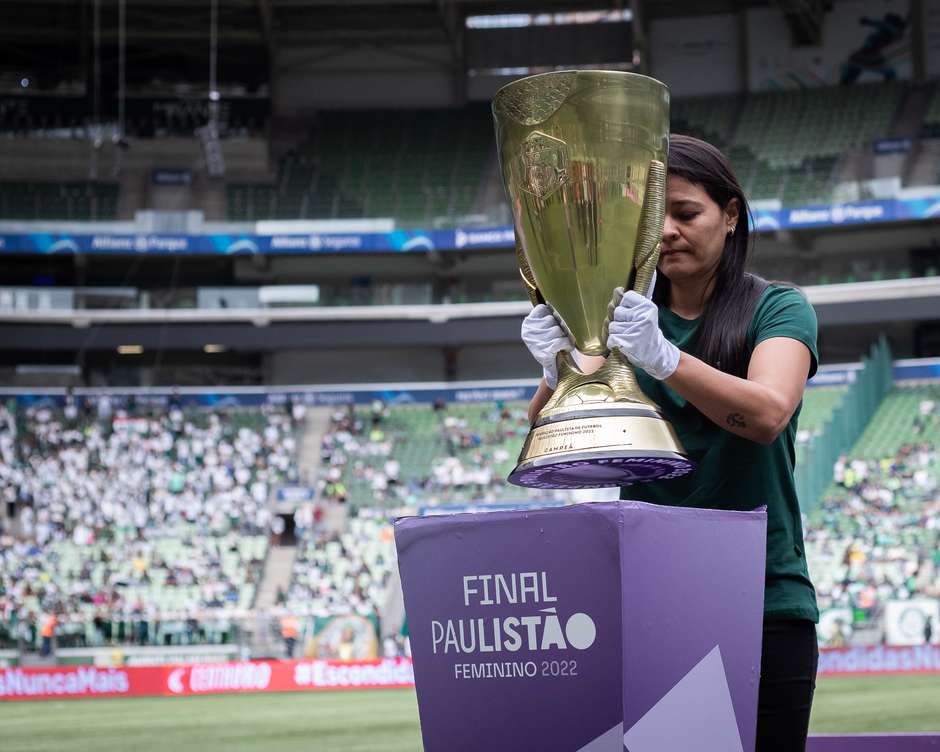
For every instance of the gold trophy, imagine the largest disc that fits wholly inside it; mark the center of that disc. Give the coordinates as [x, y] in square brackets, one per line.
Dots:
[583, 157]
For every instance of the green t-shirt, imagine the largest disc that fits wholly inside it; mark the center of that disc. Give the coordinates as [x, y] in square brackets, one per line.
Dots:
[735, 473]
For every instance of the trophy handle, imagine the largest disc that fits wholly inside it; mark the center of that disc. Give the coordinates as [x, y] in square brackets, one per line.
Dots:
[528, 279]
[648, 238]
[650, 232]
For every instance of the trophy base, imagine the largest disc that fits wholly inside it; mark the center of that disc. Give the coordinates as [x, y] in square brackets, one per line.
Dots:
[599, 448]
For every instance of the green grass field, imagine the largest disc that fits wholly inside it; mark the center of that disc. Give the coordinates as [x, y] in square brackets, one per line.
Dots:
[367, 721]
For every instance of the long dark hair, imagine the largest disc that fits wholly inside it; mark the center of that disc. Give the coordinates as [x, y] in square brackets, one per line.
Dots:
[727, 313]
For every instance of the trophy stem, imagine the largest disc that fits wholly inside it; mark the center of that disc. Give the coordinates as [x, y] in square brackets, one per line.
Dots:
[620, 375]
[614, 380]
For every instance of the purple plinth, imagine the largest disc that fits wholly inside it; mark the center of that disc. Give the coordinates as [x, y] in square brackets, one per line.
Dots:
[598, 469]
[874, 743]
[590, 628]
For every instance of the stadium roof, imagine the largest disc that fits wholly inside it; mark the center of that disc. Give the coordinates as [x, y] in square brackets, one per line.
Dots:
[52, 41]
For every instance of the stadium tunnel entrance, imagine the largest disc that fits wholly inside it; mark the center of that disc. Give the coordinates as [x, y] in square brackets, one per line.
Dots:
[283, 531]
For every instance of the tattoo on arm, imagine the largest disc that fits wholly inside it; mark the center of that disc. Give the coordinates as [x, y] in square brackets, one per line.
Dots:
[735, 420]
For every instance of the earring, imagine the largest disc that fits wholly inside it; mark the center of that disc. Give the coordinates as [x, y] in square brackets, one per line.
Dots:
[731, 230]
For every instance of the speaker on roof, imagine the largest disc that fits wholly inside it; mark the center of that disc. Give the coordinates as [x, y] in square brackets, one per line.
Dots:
[208, 136]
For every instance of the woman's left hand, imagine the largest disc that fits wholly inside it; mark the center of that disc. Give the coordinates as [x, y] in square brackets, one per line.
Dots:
[634, 329]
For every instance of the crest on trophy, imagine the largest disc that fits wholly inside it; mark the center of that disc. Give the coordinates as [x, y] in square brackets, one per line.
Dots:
[544, 164]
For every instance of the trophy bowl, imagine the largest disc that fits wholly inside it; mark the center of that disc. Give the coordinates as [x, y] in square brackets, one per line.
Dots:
[582, 156]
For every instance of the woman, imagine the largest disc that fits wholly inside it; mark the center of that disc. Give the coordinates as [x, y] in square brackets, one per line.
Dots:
[726, 355]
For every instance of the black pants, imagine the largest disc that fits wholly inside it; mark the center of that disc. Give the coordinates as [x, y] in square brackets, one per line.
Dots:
[787, 681]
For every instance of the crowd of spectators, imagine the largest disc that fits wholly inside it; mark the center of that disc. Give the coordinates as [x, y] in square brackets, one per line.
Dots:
[338, 574]
[474, 457]
[132, 523]
[413, 456]
[141, 470]
[107, 504]
[357, 445]
[126, 591]
[876, 536]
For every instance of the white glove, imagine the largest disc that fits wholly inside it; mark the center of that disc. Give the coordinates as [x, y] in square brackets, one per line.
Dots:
[545, 339]
[635, 330]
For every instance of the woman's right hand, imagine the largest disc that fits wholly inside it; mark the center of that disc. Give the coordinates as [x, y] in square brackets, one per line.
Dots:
[545, 338]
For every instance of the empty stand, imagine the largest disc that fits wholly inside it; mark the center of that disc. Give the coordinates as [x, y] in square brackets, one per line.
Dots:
[72, 201]
[428, 167]
[415, 166]
[900, 420]
[59, 117]
[818, 405]
[786, 144]
[931, 127]
[418, 166]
